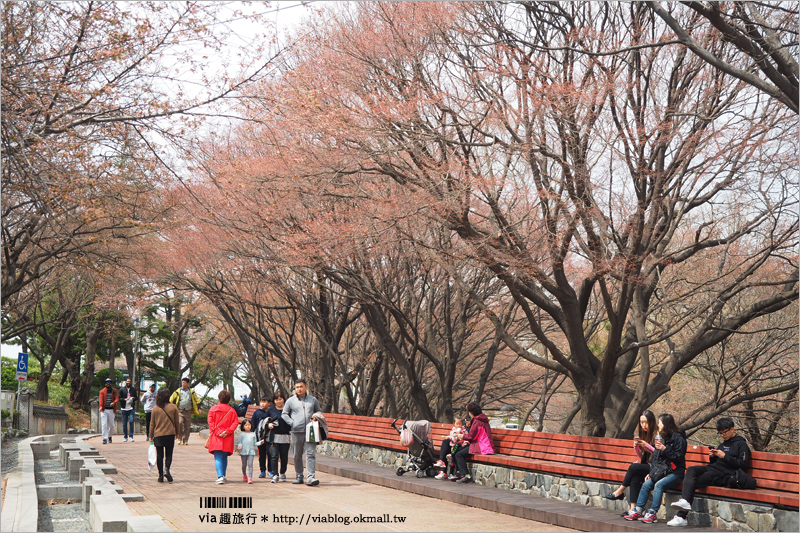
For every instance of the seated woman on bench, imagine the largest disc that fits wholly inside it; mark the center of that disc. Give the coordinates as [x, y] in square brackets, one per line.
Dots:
[643, 446]
[666, 469]
[479, 439]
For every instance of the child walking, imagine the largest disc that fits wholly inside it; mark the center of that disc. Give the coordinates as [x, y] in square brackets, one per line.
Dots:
[247, 450]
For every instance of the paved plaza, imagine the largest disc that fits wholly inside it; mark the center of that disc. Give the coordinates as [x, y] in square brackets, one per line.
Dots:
[337, 504]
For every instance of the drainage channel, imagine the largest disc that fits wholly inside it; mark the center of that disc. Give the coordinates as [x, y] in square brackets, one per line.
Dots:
[59, 502]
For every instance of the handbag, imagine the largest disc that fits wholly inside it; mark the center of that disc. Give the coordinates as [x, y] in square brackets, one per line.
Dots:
[659, 471]
[741, 480]
[312, 432]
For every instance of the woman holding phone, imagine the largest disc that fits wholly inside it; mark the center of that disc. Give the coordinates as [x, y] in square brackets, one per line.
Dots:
[643, 446]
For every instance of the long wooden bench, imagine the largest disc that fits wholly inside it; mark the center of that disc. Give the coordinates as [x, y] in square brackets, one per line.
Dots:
[593, 458]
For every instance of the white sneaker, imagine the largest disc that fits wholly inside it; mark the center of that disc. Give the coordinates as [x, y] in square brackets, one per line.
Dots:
[678, 521]
[220, 480]
[682, 504]
[441, 475]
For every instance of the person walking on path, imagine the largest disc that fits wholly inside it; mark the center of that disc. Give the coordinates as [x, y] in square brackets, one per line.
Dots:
[187, 402]
[148, 402]
[726, 461]
[222, 423]
[128, 396]
[248, 446]
[279, 439]
[258, 428]
[108, 407]
[298, 411]
[164, 430]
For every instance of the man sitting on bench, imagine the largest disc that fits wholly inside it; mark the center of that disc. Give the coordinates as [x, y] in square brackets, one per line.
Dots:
[727, 462]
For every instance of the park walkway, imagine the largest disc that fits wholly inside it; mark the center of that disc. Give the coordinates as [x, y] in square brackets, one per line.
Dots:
[337, 500]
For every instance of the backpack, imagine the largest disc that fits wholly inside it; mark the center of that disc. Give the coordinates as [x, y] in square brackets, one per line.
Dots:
[741, 480]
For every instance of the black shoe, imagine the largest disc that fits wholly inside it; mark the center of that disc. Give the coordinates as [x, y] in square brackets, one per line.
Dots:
[161, 478]
[168, 476]
[610, 496]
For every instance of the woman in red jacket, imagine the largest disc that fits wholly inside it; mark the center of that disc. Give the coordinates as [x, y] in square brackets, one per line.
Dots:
[222, 422]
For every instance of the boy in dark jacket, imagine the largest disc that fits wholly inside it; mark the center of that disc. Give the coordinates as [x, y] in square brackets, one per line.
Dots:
[255, 421]
[724, 461]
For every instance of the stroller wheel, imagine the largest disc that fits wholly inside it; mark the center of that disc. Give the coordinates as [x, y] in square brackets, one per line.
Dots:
[420, 473]
[431, 472]
[400, 471]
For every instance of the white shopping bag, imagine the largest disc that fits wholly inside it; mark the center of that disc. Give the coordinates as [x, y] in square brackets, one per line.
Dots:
[151, 456]
[312, 432]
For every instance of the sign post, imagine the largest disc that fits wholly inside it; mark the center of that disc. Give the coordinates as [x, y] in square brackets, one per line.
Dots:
[22, 373]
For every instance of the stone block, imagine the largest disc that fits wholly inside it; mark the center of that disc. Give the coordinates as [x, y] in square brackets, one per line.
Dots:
[766, 522]
[60, 491]
[751, 519]
[548, 482]
[108, 512]
[563, 493]
[699, 519]
[41, 450]
[737, 512]
[581, 488]
[583, 499]
[146, 523]
[593, 488]
[786, 520]
[724, 511]
[134, 497]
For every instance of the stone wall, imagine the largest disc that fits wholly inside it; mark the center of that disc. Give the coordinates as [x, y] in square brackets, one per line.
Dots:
[705, 511]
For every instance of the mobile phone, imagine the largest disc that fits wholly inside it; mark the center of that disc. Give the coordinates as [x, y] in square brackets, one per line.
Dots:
[710, 447]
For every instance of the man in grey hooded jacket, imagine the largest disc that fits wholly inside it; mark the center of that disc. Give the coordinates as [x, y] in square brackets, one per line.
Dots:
[298, 412]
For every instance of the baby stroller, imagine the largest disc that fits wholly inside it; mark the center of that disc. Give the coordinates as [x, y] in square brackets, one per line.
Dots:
[420, 450]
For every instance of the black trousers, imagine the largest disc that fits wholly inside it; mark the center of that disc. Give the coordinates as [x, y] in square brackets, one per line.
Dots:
[696, 477]
[147, 422]
[445, 449]
[634, 478]
[461, 460]
[277, 451]
[164, 446]
[262, 457]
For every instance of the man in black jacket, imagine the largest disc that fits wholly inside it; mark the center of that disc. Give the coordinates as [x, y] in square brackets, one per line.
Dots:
[724, 462]
[128, 396]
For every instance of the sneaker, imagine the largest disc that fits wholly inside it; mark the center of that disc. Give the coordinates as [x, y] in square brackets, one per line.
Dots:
[682, 504]
[649, 517]
[109, 440]
[249, 481]
[283, 478]
[465, 479]
[131, 439]
[612, 496]
[245, 478]
[275, 479]
[312, 482]
[124, 439]
[440, 475]
[439, 464]
[632, 515]
[105, 441]
[220, 480]
[678, 521]
[179, 442]
[452, 477]
[262, 475]
[298, 480]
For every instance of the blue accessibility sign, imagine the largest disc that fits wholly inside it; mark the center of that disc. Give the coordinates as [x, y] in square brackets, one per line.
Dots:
[22, 366]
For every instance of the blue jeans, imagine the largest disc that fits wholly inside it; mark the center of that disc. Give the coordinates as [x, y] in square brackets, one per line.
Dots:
[663, 484]
[221, 462]
[127, 416]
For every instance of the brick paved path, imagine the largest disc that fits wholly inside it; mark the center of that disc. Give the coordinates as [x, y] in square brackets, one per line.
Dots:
[335, 498]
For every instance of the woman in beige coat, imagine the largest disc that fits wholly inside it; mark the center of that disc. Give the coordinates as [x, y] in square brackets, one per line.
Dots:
[165, 427]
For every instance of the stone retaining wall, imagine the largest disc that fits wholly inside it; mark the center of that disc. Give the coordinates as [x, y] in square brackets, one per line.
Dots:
[705, 511]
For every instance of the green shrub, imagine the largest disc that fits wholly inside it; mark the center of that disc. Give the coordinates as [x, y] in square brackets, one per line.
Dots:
[100, 377]
[5, 413]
